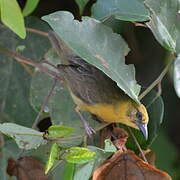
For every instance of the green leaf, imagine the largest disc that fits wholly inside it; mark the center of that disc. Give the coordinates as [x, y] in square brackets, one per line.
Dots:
[109, 146]
[52, 157]
[69, 171]
[84, 171]
[59, 131]
[165, 23]
[128, 10]
[12, 17]
[81, 4]
[30, 7]
[155, 108]
[79, 155]
[177, 75]
[98, 45]
[26, 138]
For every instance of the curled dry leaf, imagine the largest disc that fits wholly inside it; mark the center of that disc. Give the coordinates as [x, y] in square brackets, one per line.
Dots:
[121, 138]
[26, 168]
[118, 135]
[128, 166]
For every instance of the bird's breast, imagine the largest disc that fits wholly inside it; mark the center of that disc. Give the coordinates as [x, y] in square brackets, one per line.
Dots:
[107, 112]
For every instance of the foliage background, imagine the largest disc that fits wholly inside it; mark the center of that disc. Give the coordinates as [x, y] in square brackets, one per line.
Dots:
[149, 58]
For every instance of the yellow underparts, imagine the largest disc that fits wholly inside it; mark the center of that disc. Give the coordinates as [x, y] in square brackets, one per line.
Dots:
[107, 112]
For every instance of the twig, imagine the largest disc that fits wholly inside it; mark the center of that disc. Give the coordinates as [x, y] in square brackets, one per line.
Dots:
[137, 144]
[157, 81]
[44, 103]
[27, 134]
[157, 95]
[24, 60]
[35, 31]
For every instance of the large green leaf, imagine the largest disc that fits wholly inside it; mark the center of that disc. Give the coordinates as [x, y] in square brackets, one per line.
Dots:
[98, 45]
[12, 17]
[69, 171]
[177, 75]
[165, 23]
[79, 155]
[155, 107]
[83, 171]
[52, 157]
[59, 131]
[26, 138]
[128, 10]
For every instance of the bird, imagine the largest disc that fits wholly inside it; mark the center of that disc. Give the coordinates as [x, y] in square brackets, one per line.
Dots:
[93, 91]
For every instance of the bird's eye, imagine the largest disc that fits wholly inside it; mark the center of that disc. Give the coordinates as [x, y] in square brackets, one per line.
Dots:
[139, 115]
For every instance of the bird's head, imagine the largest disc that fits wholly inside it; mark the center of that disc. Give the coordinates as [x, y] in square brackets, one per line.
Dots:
[136, 116]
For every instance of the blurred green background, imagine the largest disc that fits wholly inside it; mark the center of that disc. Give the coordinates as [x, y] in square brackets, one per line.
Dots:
[149, 59]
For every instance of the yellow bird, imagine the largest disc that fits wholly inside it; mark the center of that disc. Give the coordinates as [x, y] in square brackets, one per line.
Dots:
[93, 91]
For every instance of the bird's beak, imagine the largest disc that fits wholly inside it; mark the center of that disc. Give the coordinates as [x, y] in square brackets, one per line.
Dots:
[143, 128]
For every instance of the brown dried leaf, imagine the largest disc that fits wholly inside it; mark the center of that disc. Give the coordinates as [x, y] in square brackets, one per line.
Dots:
[117, 135]
[26, 168]
[128, 166]
[121, 136]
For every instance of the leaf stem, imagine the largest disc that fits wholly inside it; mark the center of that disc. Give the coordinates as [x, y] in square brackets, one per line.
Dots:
[157, 81]
[44, 103]
[137, 144]
[35, 31]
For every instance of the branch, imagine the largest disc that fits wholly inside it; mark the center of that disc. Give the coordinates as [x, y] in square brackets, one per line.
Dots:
[157, 81]
[24, 60]
[35, 31]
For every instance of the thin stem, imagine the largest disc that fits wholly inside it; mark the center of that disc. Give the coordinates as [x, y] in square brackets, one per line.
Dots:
[27, 134]
[157, 81]
[35, 31]
[24, 60]
[137, 144]
[44, 103]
